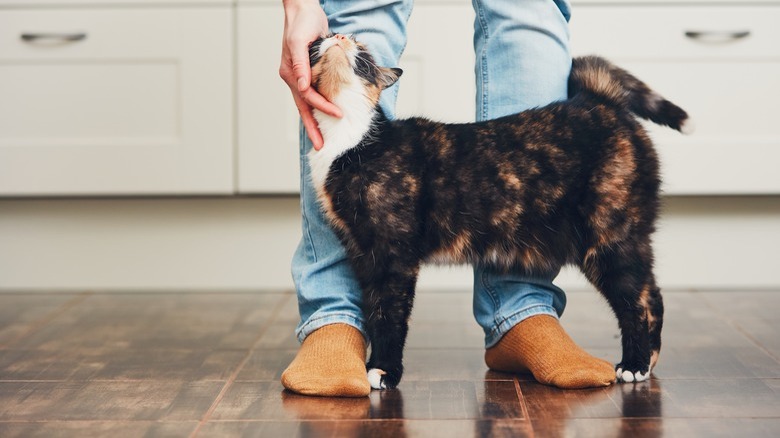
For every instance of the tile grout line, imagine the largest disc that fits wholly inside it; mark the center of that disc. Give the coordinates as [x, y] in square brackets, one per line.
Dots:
[234, 375]
[40, 323]
[738, 328]
[524, 406]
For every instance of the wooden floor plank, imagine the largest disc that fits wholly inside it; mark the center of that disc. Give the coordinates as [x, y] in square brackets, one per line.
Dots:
[154, 364]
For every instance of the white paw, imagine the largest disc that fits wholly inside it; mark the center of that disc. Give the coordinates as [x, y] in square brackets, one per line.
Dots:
[375, 378]
[628, 376]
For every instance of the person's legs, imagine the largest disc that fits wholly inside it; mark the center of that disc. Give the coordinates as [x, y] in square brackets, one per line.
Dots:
[523, 61]
[332, 360]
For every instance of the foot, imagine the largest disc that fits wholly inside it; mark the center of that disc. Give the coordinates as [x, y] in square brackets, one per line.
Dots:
[331, 362]
[539, 345]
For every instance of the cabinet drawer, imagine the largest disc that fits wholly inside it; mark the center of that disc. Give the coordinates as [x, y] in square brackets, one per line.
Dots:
[676, 32]
[728, 85]
[115, 101]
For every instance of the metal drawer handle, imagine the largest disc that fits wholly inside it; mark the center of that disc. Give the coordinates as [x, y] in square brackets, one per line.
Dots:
[65, 37]
[717, 35]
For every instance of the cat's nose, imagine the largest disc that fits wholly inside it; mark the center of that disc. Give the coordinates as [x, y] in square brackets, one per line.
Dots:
[340, 37]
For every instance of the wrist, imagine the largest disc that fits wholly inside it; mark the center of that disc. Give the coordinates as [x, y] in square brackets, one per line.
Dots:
[294, 5]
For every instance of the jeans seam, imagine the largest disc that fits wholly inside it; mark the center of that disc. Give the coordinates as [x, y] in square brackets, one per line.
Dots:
[490, 290]
[483, 59]
[304, 176]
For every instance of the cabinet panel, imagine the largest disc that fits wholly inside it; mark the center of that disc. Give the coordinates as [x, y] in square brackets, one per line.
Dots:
[267, 117]
[735, 147]
[438, 64]
[728, 86]
[125, 101]
[82, 108]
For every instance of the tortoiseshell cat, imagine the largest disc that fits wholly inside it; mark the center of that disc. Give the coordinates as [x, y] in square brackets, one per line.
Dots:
[574, 182]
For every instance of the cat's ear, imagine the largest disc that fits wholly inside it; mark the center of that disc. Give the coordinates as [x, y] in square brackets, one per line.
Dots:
[388, 76]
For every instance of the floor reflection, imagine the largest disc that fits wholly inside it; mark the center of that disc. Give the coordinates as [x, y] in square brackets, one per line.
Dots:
[380, 405]
[503, 408]
[620, 410]
[554, 412]
[326, 408]
[641, 400]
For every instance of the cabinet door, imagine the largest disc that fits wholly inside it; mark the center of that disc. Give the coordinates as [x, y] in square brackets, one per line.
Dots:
[116, 101]
[267, 118]
[727, 77]
[438, 63]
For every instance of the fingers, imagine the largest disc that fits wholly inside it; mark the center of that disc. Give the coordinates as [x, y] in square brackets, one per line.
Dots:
[312, 131]
[304, 22]
[309, 123]
[301, 72]
[315, 99]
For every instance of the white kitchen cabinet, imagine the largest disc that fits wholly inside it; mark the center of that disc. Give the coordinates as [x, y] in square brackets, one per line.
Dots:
[722, 65]
[727, 84]
[438, 63]
[183, 96]
[268, 120]
[116, 101]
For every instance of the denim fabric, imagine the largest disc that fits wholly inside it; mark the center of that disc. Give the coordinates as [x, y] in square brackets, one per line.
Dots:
[523, 61]
[327, 290]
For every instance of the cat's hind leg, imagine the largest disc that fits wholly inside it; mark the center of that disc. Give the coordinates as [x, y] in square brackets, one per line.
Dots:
[623, 274]
[655, 320]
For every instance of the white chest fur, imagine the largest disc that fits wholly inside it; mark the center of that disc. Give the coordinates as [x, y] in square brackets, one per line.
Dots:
[341, 135]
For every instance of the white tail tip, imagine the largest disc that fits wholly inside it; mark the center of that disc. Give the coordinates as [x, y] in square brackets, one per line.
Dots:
[688, 127]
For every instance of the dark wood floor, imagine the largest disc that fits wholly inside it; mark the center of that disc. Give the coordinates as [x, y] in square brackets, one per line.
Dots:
[194, 364]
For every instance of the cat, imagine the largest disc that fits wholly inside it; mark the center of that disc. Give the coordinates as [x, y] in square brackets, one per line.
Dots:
[574, 182]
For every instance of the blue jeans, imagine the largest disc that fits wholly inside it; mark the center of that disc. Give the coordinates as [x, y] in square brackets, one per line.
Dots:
[522, 61]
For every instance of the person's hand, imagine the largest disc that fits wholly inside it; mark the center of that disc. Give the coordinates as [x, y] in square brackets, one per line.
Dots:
[304, 22]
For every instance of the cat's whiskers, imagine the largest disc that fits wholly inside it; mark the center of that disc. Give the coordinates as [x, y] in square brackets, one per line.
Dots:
[367, 62]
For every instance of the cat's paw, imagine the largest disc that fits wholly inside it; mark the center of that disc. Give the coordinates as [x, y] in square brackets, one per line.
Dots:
[629, 374]
[381, 379]
[375, 378]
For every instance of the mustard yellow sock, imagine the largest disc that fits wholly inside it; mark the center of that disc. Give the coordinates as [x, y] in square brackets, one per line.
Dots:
[330, 362]
[539, 345]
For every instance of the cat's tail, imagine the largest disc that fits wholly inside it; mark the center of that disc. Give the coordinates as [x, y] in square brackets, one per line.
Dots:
[597, 76]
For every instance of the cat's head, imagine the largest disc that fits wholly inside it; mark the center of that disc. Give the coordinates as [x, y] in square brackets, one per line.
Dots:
[340, 64]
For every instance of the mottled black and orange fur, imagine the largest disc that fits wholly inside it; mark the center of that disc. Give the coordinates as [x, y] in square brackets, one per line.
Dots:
[574, 182]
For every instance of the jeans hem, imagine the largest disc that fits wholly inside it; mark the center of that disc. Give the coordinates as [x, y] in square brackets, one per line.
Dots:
[334, 318]
[512, 320]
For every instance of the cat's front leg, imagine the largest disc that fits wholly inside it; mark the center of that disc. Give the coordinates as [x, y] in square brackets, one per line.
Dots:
[388, 299]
